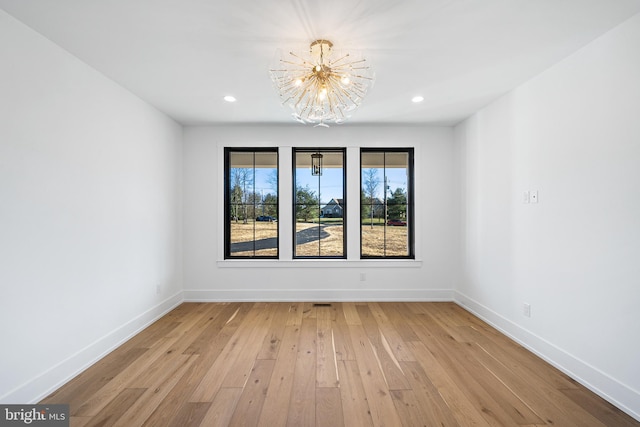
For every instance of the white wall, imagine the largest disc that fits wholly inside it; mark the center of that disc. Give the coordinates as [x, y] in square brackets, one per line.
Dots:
[430, 276]
[89, 214]
[572, 134]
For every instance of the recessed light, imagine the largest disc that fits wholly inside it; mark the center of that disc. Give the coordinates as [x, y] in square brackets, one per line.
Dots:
[417, 99]
[230, 98]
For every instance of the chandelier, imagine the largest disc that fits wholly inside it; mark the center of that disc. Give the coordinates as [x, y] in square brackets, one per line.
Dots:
[321, 86]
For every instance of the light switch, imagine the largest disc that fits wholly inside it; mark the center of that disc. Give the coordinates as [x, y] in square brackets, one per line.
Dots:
[525, 197]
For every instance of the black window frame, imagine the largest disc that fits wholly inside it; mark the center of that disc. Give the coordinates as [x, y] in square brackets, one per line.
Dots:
[410, 202]
[227, 201]
[342, 150]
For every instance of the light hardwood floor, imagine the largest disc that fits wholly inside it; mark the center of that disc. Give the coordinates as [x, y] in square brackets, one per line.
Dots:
[347, 364]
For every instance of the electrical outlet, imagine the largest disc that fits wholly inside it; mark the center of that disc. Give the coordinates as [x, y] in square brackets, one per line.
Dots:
[526, 309]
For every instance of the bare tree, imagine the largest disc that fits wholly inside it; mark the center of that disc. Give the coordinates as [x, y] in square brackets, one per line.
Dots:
[242, 186]
[272, 180]
[370, 184]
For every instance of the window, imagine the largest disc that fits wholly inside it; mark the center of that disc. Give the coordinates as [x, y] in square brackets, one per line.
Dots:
[251, 203]
[386, 207]
[319, 203]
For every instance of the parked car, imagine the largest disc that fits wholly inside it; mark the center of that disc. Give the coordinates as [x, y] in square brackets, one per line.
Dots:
[266, 218]
[397, 222]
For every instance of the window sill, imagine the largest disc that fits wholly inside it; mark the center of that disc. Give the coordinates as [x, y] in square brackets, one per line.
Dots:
[320, 263]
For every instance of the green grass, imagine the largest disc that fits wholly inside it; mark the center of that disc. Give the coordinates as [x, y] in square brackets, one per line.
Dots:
[374, 221]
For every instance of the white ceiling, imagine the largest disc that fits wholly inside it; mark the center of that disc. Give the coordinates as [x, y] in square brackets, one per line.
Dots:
[183, 56]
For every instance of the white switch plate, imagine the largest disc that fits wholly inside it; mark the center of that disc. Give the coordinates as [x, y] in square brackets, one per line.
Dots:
[534, 197]
[526, 309]
[525, 197]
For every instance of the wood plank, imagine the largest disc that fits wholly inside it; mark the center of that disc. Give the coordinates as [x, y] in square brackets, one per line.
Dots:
[247, 349]
[89, 382]
[390, 337]
[351, 313]
[599, 408]
[156, 333]
[308, 310]
[465, 412]
[249, 407]
[184, 310]
[276, 405]
[342, 340]
[172, 404]
[295, 314]
[387, 361]
[273, 338]
[518, 358]
[375, 385]
[144, 363]
[238, 354]
[79, 421]
[195, 321]
[396, 312]
[116, 407]
[552, 406]
[447, 321]
[185, 386]
[354, 400]
[459, 353]
[465, 380]
[96, 402]
[157, 387]
[222, 408]
[302, 405]
[326, 361]
[518, 410]
[190, 414]
[410, 411]
[434, 408]
[328, 407]
[212, 324]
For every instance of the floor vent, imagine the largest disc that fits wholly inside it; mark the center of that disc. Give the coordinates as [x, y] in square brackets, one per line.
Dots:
[322, 304]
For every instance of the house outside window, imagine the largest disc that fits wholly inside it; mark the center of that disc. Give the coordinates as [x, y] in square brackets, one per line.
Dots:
[333, 209]
[319, 203]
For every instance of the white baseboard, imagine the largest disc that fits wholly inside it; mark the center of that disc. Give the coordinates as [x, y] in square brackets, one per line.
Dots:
[44, 384]
[206, 295]
[617, 393]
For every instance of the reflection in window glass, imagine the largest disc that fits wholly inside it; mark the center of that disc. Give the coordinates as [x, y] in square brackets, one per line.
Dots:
[319, 182]
[251, 203]
[386, 203]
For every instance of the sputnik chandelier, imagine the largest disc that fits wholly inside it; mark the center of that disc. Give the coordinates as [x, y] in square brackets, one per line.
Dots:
[321, 86]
